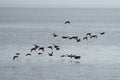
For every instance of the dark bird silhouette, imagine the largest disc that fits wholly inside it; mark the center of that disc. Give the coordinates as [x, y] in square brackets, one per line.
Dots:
[55, 35]
[85, 38]
[74, 37]
[56, 47]
[63, 56]
[102, 33]
[18, 53]
[78, 40]
[88, 34]
[36, 46]
[71, 55]
[33, 49]
[50, 47]
[50, 54]
[14, 57]
[40, 53]
[77, 57]
[65, 37]
[28, 54]
[93, 36]
[67, 22]
[41, 48]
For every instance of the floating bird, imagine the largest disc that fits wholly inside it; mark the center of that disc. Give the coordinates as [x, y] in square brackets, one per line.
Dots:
[14, 57]
[67, 22]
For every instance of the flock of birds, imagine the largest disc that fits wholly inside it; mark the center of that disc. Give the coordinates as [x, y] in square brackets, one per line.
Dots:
[57, 47]
[42, 49]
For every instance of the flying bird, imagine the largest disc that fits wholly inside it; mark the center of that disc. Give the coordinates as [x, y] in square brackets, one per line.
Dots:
[67, 22]
[65, 37]
[50, 54]
[14, 57]
[78, 40]
[36, 46]
[18, 53]
[28, 54]
[102, 33]
[50, 47]
[55, 35]
[41, 48]
[40, 53]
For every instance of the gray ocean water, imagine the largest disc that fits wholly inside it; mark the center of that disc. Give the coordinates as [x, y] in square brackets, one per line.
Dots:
[20, 28]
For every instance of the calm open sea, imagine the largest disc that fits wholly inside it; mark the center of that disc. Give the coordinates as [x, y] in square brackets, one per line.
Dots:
[20, 28]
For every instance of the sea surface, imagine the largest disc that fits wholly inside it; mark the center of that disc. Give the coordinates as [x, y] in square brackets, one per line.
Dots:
[20, 28]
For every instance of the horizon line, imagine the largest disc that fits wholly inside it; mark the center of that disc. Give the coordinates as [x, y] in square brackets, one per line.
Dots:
[62, 7]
